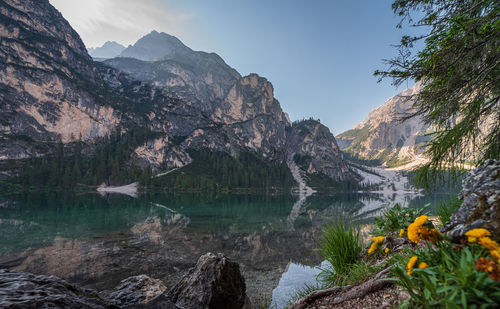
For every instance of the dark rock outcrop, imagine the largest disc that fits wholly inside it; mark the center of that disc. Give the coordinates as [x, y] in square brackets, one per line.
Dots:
[136, 290]
[215, 282]
[481, 202]
[25, 290]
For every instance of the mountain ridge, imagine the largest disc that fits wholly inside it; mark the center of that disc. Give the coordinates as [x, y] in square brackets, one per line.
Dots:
[109, 49]
[190, 100]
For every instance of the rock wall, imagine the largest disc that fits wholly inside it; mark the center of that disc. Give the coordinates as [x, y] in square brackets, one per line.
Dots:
[480, 197]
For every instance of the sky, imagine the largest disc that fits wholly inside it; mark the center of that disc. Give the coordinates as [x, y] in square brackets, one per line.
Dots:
[319, 55]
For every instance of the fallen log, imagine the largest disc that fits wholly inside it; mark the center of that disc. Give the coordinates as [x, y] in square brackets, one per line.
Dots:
[374, 284]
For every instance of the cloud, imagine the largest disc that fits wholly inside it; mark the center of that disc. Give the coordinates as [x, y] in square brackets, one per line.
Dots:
[124, 21]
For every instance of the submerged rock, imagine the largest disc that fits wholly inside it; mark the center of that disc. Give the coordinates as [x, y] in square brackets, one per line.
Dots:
[136, 290]
[481, 202]
[25, 290]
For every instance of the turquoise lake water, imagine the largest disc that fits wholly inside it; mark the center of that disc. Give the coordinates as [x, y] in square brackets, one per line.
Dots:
[99, 240]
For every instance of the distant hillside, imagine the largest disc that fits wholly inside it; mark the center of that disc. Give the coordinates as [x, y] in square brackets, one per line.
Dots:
[384, 136]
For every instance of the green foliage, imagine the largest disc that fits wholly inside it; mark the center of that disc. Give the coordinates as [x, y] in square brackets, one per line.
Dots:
[396, 218]
[445, 209]
[340, 245]
[69, 166]
[359, 272]
[219, 171]
[460, 74]
[449, 281]
[354, 158]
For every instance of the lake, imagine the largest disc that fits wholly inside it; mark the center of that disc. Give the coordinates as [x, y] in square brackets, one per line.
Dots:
[97, 240]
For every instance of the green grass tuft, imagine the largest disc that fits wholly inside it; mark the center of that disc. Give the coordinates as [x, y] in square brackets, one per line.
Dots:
[340, 245]
[445, 209]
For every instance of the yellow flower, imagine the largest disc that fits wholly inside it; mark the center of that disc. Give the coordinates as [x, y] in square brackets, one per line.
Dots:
[376, 243]
[386, 250]
[488, 243]
[417, 232]
[474, 234]
[495, 253]
[421, 220]
[401, 232]
[411, 264]
[422, 265]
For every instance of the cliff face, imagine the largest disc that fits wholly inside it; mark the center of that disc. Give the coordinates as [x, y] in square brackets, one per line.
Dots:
[51, 90]
[45, 79]
[314, 148]
[385, 136]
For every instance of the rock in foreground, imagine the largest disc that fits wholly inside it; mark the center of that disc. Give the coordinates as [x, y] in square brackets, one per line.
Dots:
[25, 290]
[481, 202]
[215, 282]
[136, 290]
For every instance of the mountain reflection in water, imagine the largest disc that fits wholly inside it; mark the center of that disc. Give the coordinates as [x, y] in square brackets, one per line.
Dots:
[97, 241]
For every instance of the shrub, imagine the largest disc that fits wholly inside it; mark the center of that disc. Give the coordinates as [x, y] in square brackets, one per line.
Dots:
[340, 245]
[445, 276]
[445, 209]
[396, 218]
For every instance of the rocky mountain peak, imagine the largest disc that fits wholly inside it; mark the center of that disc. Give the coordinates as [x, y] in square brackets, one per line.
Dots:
[314, 149]
[155, 46]
[110, 49]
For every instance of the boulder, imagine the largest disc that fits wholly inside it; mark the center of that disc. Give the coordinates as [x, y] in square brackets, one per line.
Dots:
[480, 207]
[215, 282]
[136, 290]
[25, 290]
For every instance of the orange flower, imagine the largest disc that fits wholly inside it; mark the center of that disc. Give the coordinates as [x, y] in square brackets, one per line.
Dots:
[488, 266]
[488, 243]
[401, 232]
[386, 250]
[422, 265]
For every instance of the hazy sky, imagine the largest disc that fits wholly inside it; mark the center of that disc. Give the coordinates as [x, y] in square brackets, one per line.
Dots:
[319, 55]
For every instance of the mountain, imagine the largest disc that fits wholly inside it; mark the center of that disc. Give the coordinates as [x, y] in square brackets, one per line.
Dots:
[384, 136]
[67, 119]
[155, 46]
[110, 49]
[50, 88]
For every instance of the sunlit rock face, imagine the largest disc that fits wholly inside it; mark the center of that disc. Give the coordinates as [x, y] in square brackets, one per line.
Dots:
[384, 135]
[49, 85]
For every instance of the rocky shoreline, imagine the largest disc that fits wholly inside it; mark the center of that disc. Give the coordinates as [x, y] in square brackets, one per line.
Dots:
[215, 282]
